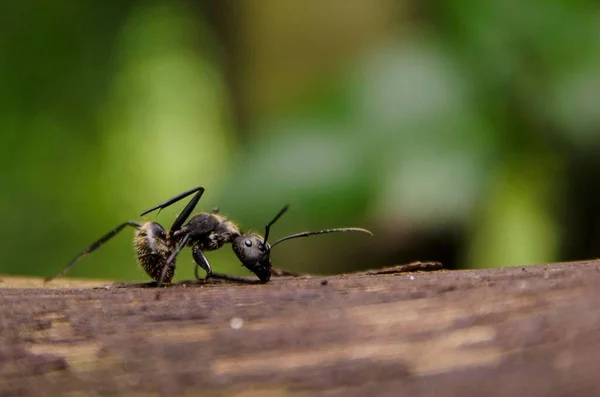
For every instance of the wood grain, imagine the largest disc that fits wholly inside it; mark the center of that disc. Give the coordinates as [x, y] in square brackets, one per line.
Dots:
[516, 331]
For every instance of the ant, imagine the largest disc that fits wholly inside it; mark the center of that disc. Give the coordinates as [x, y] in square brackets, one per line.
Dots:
[154, 247]
[156, 250]
[210, 231]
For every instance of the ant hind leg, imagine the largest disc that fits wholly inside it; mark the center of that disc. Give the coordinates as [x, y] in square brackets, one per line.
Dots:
[94, 247]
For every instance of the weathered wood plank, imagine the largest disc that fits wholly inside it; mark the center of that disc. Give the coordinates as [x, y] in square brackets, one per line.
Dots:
[503, 332]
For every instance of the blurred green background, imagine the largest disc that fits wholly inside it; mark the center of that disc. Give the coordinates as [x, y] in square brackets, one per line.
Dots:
[466, 132]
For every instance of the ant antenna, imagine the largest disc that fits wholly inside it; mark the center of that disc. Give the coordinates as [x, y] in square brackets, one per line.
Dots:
[306, 234]
[268, 227]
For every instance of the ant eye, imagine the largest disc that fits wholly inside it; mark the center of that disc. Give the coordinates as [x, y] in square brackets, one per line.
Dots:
[248, 243]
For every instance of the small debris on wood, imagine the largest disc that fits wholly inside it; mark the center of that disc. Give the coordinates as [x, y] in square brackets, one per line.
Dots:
[410, 267]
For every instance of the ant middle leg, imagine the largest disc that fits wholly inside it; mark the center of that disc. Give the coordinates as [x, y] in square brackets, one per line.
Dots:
[202, 262]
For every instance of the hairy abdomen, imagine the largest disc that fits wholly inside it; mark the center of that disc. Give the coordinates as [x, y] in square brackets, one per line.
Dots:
[154, 264]
[152, 253]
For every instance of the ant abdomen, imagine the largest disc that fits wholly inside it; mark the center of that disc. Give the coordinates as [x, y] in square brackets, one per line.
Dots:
[153, 248]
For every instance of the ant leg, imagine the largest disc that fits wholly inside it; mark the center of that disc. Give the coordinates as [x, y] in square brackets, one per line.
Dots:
[186, 211]
[201, 261]
[236, 279]
[182, 244]
[174, 200]
[95, 246]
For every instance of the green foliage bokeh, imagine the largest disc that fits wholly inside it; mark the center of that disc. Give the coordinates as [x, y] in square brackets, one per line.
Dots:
[466, 118]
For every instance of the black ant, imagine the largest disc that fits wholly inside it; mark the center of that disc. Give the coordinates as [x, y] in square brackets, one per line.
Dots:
[156, 250]
[209, 231]
[154, 247]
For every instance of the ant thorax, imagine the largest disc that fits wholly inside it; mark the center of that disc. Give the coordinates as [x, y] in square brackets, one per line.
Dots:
[208, 231]
[224, 233]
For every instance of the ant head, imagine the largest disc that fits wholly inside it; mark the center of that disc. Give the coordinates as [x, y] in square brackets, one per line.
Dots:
[255, 252]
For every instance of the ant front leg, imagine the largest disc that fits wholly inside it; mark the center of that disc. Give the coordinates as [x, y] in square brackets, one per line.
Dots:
[187, 211]
[202, 262]
[236, 279]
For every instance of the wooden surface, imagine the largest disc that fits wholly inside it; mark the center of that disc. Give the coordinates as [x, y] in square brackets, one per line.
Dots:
[531, 331]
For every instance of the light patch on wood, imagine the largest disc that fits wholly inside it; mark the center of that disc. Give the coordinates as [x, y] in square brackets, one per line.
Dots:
[250, 391]
[50, 316]
[422, 315]
[179, 334]
[376, 288]
[505, 305]
[145, 393]
[58, 283]
[444, 353]
[419, 317]
[60, 330]
[380, 315]
[453, 351]
[563, 361]
[81, 357]
[249, 304]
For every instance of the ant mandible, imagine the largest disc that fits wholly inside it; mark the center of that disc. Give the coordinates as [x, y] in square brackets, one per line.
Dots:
[210, 231]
